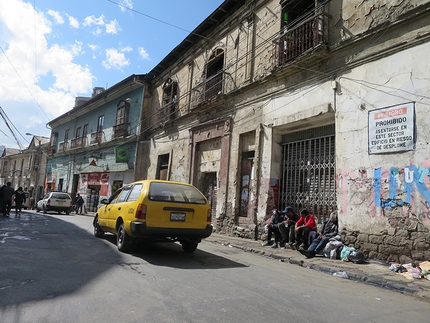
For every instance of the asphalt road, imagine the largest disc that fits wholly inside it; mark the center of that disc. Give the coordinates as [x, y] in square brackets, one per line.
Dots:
[52, 269]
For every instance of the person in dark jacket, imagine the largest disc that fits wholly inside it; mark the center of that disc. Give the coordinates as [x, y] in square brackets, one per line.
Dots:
[79, 204]
[19, 200]
[273, 227]
[7, 193]
[329, 230]
[288, 225]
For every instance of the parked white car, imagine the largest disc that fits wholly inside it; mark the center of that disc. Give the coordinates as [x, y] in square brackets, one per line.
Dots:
[55, 201]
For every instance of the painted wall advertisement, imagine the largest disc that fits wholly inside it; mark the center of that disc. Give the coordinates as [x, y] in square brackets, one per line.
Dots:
[392, 129]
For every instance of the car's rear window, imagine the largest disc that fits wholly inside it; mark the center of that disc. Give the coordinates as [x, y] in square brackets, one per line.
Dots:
[175, 193]
[60, 196]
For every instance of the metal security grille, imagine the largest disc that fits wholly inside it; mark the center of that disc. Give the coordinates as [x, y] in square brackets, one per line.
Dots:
[308, 171]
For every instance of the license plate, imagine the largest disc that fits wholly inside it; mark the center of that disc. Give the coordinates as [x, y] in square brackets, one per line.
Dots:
[177, 216]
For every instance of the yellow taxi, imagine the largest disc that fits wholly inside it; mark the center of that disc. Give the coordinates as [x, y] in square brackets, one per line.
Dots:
[155, 210]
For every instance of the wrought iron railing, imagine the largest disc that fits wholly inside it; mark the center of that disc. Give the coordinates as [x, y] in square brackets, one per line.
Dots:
[78, 142]
[120, 130]
[96, 137]
[207, 90]
[305, 36]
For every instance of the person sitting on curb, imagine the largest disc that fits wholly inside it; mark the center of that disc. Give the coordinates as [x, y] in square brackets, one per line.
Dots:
[273, 227]
[288, 225]
[304, 226]
[329, 229]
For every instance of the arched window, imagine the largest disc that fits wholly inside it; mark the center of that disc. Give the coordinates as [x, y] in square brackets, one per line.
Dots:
[214, 75]
[170, 100]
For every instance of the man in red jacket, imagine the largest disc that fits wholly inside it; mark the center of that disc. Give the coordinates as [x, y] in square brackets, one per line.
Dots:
[304, 225]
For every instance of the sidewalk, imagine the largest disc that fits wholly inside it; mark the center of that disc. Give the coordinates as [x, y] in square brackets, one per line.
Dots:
[372, 272]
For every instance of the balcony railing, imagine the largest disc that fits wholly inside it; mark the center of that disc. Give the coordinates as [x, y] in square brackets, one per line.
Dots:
[301, 38]
[207, 90]
[62, 146]
[96, 137]
[78, 142]
[52, 150]
[167, 114]
[120, 130]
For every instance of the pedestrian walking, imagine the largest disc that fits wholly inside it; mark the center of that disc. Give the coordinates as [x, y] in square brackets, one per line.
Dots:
[7, 193]
[19, 201]
[79, 204]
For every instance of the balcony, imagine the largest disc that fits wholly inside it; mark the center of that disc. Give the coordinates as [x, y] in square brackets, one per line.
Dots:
[78, 142]
[120, 130]
[62, 146]
[208, 90]
[167, 114]
[96, 137]
[302, 38]
[52, 150]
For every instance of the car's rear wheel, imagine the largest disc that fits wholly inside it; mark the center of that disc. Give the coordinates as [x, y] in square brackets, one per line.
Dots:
[97, 231]
[189, 246]
[123, 240]
[44, 209]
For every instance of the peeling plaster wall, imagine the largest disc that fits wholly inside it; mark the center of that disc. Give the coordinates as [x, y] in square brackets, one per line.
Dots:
[371, 187]
[359, 16]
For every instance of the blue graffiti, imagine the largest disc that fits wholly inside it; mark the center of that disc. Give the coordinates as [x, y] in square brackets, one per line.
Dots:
[412, 175]
[377, 186]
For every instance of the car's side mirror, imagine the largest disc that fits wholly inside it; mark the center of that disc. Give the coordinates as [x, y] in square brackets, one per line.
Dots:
[104, 201]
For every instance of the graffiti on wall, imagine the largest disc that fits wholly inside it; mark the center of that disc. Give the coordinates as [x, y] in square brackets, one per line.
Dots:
[388, 191]
[407, 186]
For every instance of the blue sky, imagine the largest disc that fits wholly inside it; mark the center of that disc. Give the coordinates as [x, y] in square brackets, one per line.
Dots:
[52, 51]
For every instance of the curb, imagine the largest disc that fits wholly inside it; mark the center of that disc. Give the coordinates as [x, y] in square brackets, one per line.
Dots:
[421, 292]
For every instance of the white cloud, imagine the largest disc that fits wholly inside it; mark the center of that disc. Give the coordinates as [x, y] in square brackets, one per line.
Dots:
[93, 47]
[34, 70]
[73, 22]
[115, 59]
[92, 20]
[113, 27]
[56, 15]
[125, 4]
[142, 53]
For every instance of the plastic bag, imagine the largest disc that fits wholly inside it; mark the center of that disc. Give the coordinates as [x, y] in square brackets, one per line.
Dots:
[356, 257]
[344, 254]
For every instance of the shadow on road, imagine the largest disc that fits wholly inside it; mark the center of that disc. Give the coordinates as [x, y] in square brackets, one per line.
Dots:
[44, 257]
[170, 254]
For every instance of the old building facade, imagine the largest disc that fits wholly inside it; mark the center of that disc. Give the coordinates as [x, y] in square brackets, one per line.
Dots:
[316, 104]
[93, 146]
[26, 168]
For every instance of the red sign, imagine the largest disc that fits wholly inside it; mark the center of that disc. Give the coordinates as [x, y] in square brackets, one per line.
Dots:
[104, 178]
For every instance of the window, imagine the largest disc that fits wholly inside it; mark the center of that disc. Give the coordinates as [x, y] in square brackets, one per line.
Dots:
[214, 75]
[135, 193]
[293, 12]
[304, 26]
[121, 126]
[78, 132]
[66, 136]
[100, 123]
[121, 112]
[169, 101]
[84, 135]
[123, 196]
[22, 167]
[163, 167]
[170, 92]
